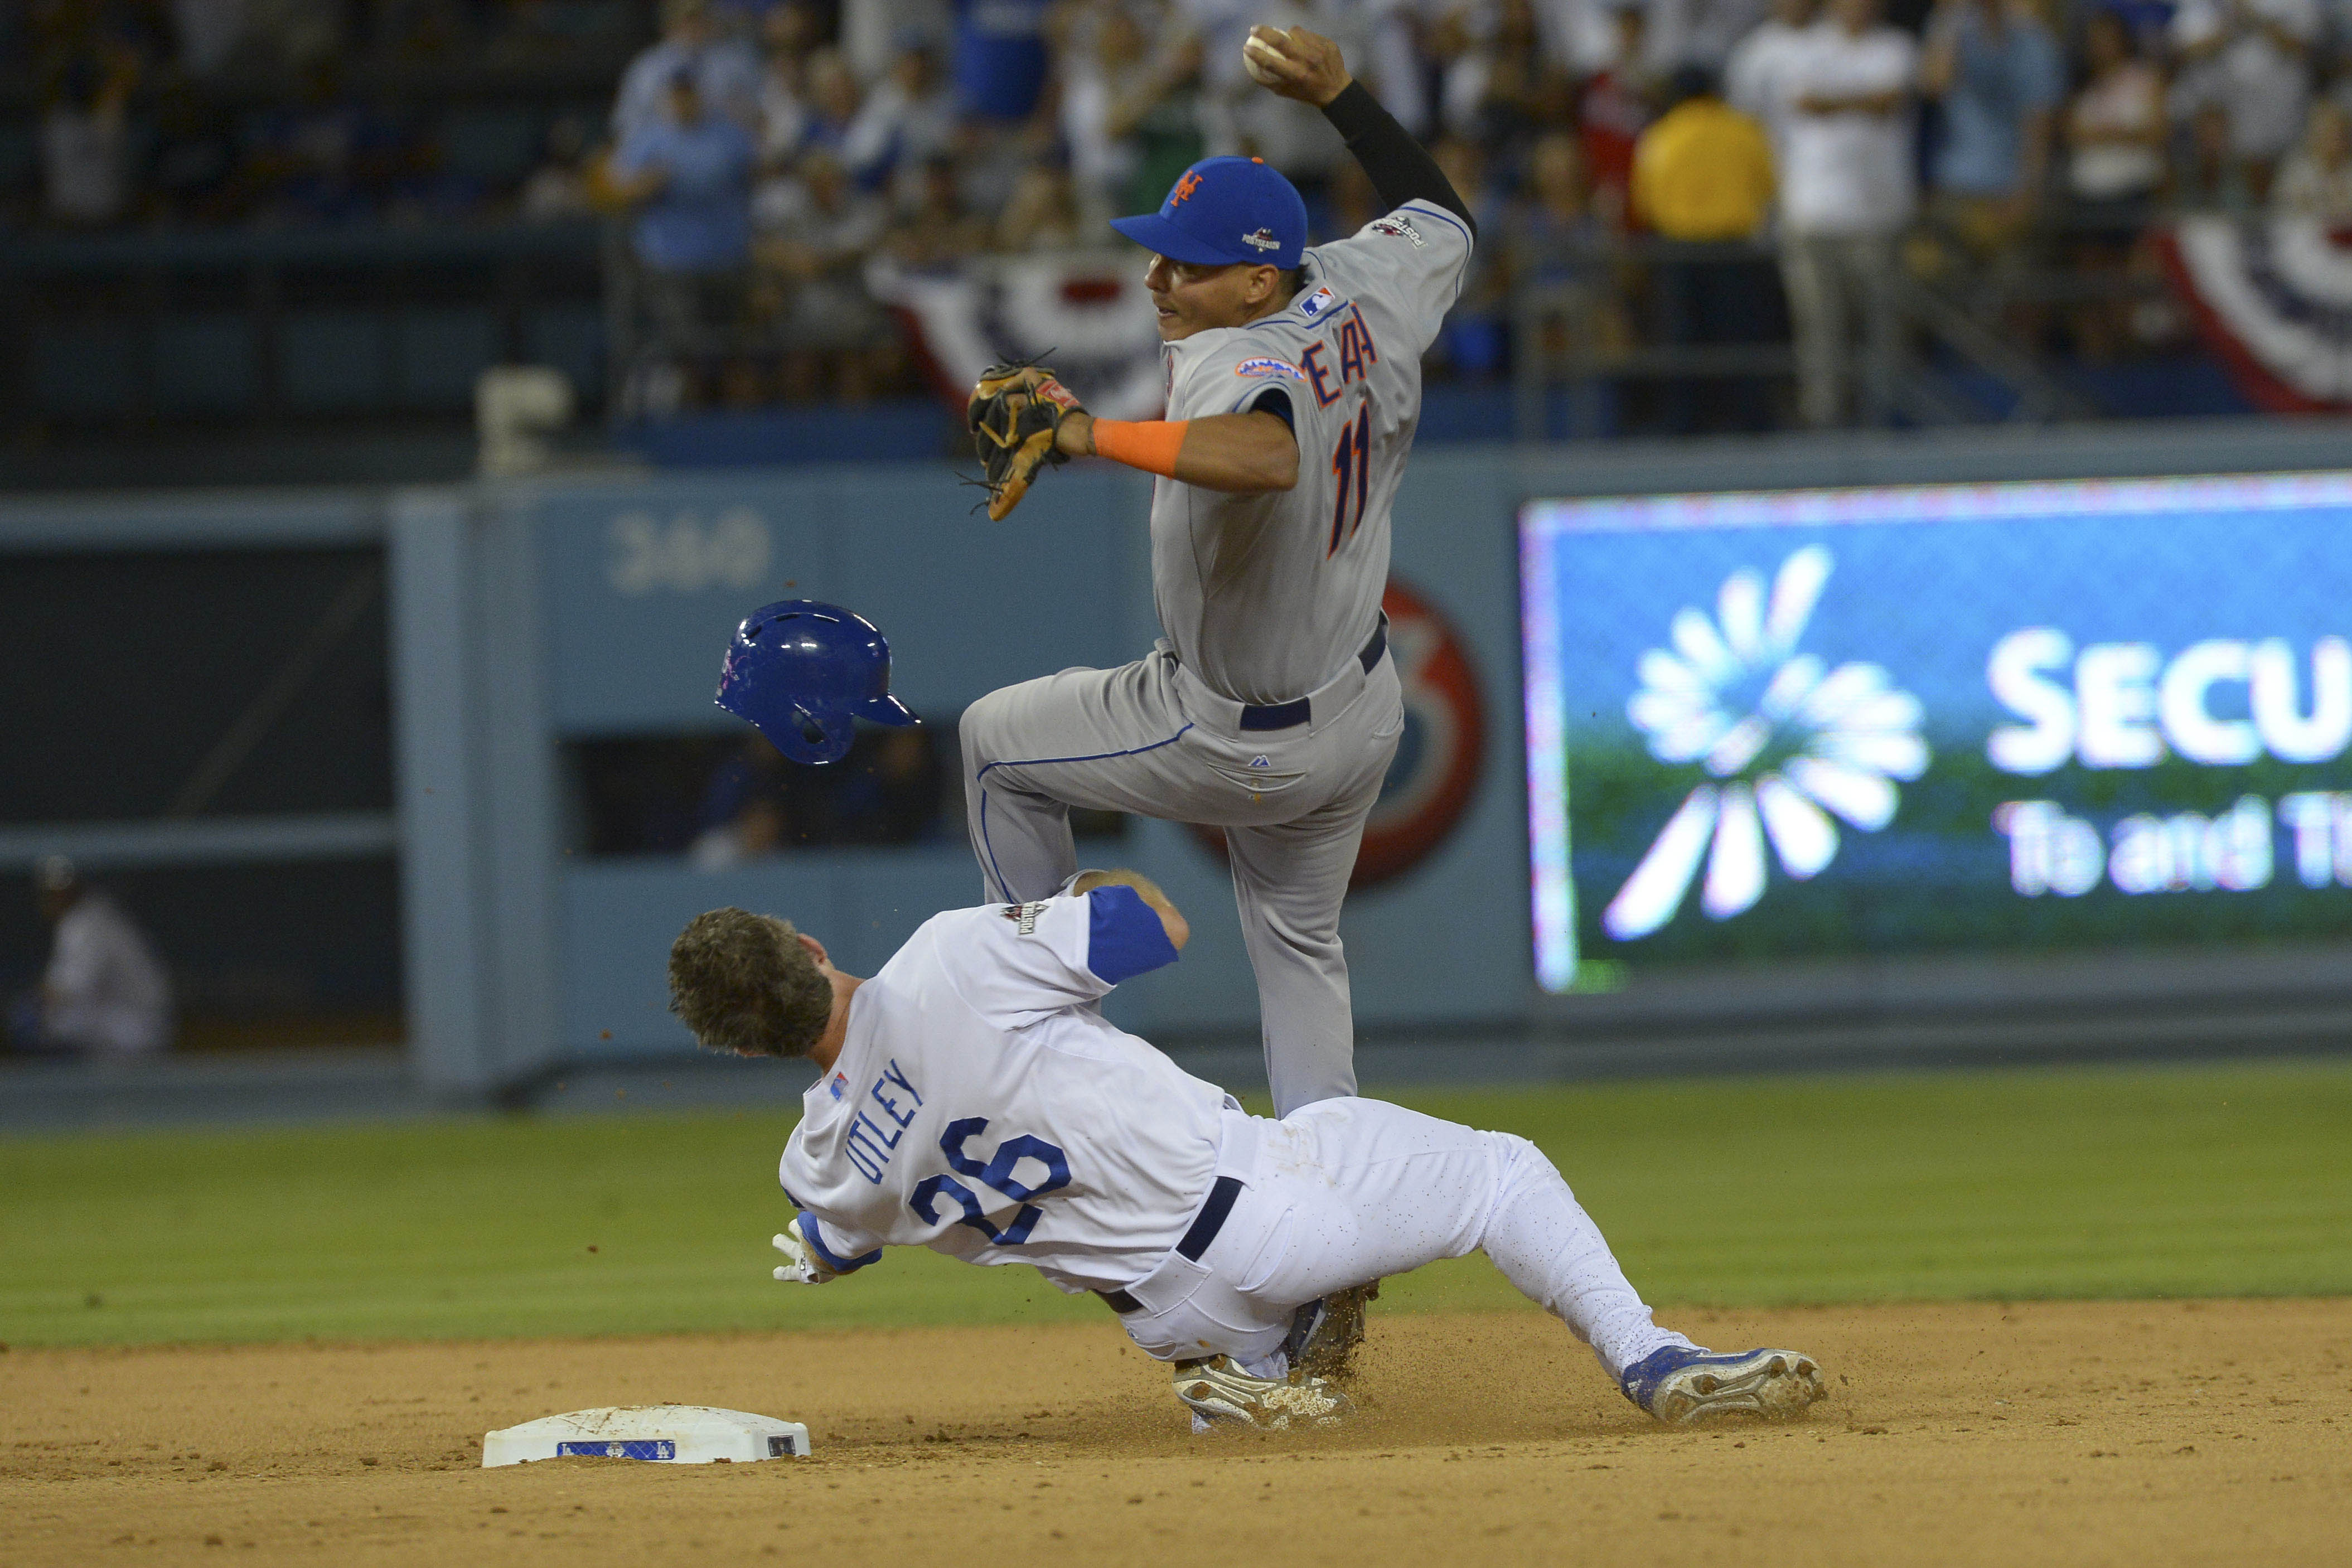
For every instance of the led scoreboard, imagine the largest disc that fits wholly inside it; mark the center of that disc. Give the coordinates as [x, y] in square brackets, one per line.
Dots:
[1990, 719]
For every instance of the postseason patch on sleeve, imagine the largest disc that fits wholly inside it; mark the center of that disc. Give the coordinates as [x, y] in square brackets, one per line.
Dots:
[1262, 369]
[1400, 227]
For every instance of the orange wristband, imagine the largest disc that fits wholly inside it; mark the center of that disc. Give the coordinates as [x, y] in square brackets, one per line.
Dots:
[1150, 444]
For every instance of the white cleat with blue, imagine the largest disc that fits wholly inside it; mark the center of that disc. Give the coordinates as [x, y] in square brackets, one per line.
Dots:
[1682, 1385]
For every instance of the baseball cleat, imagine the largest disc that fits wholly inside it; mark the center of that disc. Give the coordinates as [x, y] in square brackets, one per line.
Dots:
[1325, 1334]
[1682, 1385]
[1219, 1391]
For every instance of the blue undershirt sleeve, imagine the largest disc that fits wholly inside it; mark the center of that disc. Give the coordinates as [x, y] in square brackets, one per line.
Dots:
[1274, 400]
[1124, 936]
[812, 1234]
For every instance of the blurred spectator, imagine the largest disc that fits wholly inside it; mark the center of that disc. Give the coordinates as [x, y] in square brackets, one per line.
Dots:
[939, 234]
[875, 33]
[725, 72]
[2115, 169]
[688, 171]
[907, 122]
[785, 118]
[105, 993]
[815, 230]
[294, 35]
[1127, 108]
[892, 795]
[559, 187]
[999, 57]
[2315, 181]
[1475, 340]
[2114, 130]
[1612, 111]
[1702, 177]
[1845, 193]
[208, 32]
[2250, 58]
[324, 157]
[756, 768]
[1042, 214]
[1757, 78]
[1555, 240]
[1556, 218]
[84, 145]
[1495, 93]
[832, 98]
[755, 832]
[1997, 72]
[2212, 177]
[192, 175]
[1701, 32]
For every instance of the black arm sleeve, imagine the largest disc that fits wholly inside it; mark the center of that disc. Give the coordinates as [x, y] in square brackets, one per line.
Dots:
[1401, 169]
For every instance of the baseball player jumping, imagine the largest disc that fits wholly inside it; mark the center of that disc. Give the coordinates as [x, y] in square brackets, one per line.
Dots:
[1269, 708]
[972, 1098]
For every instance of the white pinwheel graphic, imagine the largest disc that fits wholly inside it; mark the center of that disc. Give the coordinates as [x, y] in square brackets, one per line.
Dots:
[1810, 737]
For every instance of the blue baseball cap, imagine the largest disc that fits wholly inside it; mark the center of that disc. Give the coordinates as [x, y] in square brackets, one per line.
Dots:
[1223, 210]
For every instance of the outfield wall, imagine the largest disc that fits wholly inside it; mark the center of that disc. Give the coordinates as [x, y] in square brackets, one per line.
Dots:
[527, 616]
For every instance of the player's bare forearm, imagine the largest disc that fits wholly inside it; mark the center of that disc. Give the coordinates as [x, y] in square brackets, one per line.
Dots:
[1180, 931]
[1307, 66]
[1241, 454]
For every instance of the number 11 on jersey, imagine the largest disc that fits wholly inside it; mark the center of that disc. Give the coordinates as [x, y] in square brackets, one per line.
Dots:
[1351, 466]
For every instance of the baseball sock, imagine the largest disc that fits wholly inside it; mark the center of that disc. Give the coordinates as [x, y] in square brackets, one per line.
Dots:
[1544, 1242]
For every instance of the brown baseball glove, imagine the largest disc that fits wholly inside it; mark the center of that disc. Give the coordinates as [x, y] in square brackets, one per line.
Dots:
[1016, 414]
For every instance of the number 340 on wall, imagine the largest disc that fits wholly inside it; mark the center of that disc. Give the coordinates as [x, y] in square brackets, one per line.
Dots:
[686, 555]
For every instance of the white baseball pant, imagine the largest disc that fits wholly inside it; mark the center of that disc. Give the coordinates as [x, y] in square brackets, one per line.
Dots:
[1345, 1192]
[1150, 739]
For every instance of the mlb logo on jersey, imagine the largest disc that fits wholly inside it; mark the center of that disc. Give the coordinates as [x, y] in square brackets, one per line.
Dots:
[1316, 303]
[1258, 369]
[837, 1086]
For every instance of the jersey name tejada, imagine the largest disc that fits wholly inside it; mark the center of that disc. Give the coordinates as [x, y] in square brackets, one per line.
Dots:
[1265, 596]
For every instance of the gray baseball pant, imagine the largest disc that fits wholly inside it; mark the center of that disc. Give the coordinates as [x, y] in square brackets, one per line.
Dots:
[1150, 739]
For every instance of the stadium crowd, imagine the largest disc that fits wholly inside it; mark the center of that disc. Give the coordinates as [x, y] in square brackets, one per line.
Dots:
[1758, 150]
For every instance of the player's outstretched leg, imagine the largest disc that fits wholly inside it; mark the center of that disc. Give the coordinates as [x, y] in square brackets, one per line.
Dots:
[1544, 1242]
[1289, 882]
[1373, 1189]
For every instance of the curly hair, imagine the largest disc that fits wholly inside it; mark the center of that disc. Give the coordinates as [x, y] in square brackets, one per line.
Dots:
[742, 983]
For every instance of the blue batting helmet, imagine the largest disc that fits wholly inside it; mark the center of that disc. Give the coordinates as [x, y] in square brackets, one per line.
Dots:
[803, 672]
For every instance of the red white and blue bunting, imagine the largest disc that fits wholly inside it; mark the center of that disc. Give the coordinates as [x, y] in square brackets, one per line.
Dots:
[1088, 313]
[2273, 297]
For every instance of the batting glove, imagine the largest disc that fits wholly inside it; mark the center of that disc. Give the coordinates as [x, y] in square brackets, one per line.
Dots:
[801, 1266]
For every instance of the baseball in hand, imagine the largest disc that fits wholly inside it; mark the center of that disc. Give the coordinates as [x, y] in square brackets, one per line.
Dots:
[1257, 54]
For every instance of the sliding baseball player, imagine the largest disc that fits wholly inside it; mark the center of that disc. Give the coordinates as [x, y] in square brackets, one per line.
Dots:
[972, 1098]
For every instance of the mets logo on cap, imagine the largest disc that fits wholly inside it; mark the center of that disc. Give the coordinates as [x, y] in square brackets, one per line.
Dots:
[1222, 211]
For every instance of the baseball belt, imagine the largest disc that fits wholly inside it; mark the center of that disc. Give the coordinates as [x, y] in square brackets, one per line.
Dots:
[1205, 1226]
[1301, 711]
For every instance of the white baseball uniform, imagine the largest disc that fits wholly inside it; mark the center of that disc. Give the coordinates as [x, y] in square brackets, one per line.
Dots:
[983, 1107]
[1269, 709]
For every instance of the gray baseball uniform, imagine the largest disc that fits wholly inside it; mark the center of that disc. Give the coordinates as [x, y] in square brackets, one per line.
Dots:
[1269, 709]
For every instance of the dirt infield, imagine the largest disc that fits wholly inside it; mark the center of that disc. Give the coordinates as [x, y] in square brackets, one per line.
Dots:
[2077, 1433]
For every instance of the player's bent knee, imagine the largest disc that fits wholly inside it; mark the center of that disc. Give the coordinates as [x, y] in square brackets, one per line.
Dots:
[980, 724]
